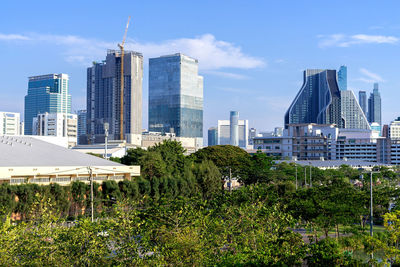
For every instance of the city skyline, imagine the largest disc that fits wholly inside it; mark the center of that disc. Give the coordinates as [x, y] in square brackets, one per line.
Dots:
[254, 72]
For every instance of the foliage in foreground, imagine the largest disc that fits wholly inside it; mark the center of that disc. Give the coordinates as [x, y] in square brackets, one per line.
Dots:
[185, 231]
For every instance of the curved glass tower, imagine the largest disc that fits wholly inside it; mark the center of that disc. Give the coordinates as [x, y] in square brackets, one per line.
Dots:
[318, 100]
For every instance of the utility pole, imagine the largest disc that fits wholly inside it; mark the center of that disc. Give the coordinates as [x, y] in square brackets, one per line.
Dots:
[310, 176]
[296, 176]
[305, 176]
[106, 125]
[371, 223]
[91, 192]
[230, 180]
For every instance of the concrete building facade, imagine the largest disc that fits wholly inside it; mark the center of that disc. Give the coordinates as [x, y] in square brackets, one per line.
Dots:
[57, 125]
[10, 123]
[104, 97]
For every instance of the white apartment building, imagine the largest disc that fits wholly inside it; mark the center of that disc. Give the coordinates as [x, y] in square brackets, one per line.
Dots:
[58, 125]
[9, 123]
[394, 129]
[327, 142]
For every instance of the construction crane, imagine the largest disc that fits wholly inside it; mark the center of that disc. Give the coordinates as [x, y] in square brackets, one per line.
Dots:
[121, 46]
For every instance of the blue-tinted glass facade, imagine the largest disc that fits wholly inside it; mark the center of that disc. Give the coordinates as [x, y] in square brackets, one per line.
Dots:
[46, 93]
[374, 106]
[362, 99]
[318, 100]
[212, 136]
[342, 78]
[175, 96]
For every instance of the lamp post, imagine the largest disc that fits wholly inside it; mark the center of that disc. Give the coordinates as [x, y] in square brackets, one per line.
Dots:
[305, 176]
[371, 221]
[106, 126]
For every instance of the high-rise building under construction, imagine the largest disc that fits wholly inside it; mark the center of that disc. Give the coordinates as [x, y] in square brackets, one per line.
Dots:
[104, 97]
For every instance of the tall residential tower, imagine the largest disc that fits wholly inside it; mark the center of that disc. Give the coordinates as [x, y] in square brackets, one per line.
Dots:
[318, 100]
[103, 97]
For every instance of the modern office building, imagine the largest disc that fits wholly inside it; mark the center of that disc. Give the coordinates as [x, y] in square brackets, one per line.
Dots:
[57, 125]
[375, 106]
[352, 115]
[238, 135]
[82, 123]
[342, 78]
[175, 96]
[46, 93]
[362, 100]
[104, 97]
[9, 123]
[212, 136]
[318, 100]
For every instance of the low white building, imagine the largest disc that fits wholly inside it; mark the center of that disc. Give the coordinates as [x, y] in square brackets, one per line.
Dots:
[9, 123]
[57, 124]
[394, 129]
[25, 159]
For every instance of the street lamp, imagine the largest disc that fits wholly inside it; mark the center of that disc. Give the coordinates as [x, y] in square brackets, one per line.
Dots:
[106, 126]
[310, 175]
[371, 221]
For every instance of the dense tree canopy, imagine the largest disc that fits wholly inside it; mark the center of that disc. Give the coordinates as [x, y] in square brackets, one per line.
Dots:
[178, 213]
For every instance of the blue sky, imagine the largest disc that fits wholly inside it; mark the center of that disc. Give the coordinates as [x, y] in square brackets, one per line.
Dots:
[251, 53]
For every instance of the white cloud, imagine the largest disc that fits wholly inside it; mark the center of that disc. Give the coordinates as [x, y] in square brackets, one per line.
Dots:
[280, 61]
[370, 77]
[226, 74]
[234, 90]
[341, 40]
[212, 54]
[13, 37]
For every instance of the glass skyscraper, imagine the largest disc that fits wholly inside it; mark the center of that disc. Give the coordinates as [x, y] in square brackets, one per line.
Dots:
[342, 78]
[374, 106]
[46, 93]
[212, 136]
[362, 100]
[318, 100]
[175, 96]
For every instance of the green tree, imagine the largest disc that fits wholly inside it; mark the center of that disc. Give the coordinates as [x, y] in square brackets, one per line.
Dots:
[227, 158]
[208, 178]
